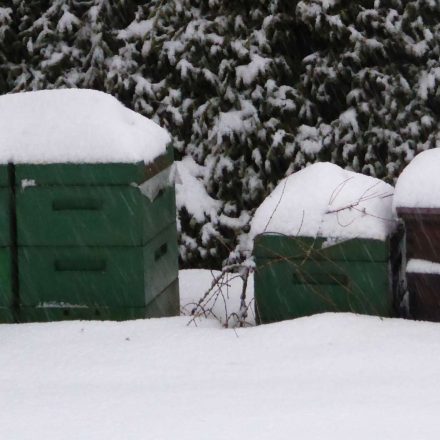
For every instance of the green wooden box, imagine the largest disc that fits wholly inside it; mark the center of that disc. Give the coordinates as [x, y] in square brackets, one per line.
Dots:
[99, 174]
[97, 276]
[166, 303]
[93, 216]
[300, 276]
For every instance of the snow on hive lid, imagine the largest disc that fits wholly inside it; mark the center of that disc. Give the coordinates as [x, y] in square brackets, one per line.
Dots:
[75, 126]
[419, 184]
[325, 200]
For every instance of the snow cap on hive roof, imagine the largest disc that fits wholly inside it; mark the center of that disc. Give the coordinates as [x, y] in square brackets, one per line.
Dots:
[324, 200]
[419, 184]
[76, 126]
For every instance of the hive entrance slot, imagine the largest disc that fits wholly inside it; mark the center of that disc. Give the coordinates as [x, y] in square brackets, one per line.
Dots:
[80, 265]
[77, 204]
[333, 279]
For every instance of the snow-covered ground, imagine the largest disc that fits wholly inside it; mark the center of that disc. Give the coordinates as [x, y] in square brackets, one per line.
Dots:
[332, 376]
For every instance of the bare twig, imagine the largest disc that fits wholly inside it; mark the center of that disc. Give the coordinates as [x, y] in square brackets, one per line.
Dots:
[276, 206]
[219, 290]
[301, 224]
[337, 190]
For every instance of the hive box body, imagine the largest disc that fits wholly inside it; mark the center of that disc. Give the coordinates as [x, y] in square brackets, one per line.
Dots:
[92, 216]
[301, 276]
[165, 303]
[127, 276]
[96, 241]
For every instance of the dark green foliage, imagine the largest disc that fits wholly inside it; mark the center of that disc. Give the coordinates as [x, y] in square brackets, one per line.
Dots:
[250, 90]
[372, 81]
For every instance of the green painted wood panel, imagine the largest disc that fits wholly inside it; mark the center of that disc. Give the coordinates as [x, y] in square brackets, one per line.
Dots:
[5, 217]
[160, 258]
[91, 174]
[92, 216]
[291, 289]
[301, 276]
[97, 276]
[4, 176]
[47, 314]
[281, 246]
[6, 290]
[166, 303]
[7, 315]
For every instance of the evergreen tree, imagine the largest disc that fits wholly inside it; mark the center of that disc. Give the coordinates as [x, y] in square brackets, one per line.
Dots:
[220, 76]
[7, 42]
[250, 90]
[372, 82]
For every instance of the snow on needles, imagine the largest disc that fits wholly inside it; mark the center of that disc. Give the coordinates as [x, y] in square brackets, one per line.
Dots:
[191, 193]
[76, 126]
[325, 200]
[419, 184]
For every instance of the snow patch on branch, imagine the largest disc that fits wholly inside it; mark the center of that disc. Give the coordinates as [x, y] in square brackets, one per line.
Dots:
[309, 139]
[191, 193]
[248, 73]
[349, 119]
[238, 122]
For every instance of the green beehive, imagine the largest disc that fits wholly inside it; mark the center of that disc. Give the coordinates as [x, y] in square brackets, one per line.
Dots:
[6, 274]
[99, 246]
[300, 276]
[87, 209]
[322, 243]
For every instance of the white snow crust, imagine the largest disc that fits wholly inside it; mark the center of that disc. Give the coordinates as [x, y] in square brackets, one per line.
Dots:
[331, 376]
[419, 184]
[422, 266]
[323, 200]
[75, 126]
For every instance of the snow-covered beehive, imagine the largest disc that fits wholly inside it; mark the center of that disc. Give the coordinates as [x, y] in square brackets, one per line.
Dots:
[95, 212]
[322, 243]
